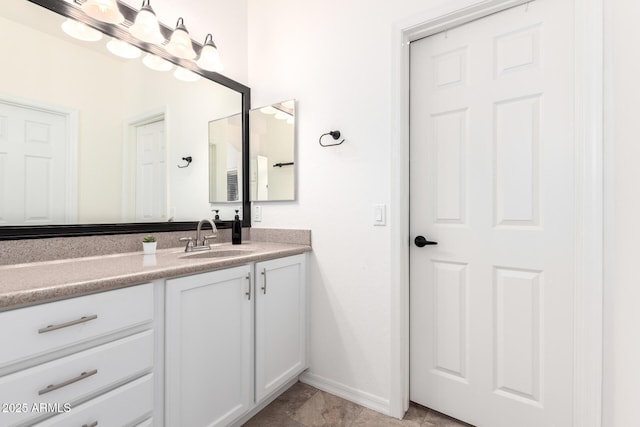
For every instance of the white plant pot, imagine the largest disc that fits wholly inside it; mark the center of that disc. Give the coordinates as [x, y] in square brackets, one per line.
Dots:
[149, 247]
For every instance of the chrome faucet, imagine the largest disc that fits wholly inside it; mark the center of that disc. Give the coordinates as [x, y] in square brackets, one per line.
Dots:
[195, 244]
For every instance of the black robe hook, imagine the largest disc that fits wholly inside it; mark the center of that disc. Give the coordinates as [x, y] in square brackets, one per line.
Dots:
[335, 134]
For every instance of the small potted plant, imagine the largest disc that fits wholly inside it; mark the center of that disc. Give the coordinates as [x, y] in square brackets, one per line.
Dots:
[149, 244]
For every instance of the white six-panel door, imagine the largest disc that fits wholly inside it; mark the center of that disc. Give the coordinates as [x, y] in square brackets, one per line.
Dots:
[151, 172]
[492, 181]
[34, 146]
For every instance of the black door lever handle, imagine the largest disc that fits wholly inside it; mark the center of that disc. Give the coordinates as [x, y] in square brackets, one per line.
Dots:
[420, 241]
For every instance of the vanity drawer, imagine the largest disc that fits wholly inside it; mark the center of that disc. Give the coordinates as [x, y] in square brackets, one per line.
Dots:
[123, 406]
[66, 380]
[32, 331]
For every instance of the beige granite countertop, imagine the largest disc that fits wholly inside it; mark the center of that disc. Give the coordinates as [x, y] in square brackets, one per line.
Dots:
[33, 283]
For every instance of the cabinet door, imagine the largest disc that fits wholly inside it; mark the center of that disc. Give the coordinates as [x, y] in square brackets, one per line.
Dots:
[208, 348]
[281, 326]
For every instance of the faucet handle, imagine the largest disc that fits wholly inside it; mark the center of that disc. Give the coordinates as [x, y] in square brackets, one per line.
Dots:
[190, 243]
[209, 237]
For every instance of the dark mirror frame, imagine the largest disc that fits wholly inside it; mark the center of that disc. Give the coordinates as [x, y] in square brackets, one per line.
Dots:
[46, 231]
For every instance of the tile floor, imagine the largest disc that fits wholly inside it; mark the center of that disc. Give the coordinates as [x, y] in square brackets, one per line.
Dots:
[306, 406]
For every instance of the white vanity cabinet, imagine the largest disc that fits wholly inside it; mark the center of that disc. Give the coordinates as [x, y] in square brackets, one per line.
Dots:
[233, 339]
[74, 358]
[208, 347]
[281, 327]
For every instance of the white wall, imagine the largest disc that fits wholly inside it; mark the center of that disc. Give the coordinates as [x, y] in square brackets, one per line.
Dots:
[622, 233]
[335, 58]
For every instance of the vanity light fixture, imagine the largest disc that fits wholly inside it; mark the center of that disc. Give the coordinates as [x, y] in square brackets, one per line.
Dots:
[185, 75]
[123, 49]
[103, 10]
[80, 31]
[180, 43]
[156, 63]
[146, 26]
[209, 56]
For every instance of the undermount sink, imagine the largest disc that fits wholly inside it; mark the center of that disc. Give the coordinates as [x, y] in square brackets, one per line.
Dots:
[219, 253]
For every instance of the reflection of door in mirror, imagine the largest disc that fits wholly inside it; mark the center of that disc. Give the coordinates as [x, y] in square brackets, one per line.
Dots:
[37, 167]
[272, 152]
[144, 169]
[261, 183]
[151, 173]
[225, 159]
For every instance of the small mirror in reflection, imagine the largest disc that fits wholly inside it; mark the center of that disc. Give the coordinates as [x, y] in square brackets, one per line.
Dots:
[272, 152]
[225, 159]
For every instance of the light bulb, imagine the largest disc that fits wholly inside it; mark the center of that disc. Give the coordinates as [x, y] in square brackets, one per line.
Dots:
[209, 56]
[186, 75]
[123, 49]
[180, 43]
[268, 110]
[156, 63]
[80, 31]
[146, 26]
[103, 10]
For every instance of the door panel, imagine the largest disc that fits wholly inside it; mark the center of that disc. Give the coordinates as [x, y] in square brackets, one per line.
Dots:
[492, 181]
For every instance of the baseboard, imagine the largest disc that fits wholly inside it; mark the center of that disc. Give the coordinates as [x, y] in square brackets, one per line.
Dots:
[360, 397]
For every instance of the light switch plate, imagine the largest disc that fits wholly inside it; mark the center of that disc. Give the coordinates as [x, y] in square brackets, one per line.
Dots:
[257, 213]
[379, 215]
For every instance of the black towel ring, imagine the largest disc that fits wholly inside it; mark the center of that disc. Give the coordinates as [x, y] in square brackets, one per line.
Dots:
[188, 159]
[335, 134]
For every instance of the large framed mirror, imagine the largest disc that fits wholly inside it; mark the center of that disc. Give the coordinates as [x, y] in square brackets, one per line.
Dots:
[103, 140]
[272, 152]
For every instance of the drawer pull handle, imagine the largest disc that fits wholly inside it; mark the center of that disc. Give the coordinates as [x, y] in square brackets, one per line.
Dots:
[93, 424]
[264, 281]
[248, 293]
[80, 377]
[83, 319]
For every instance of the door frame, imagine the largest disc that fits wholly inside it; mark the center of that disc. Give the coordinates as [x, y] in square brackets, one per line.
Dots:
[589, 199]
